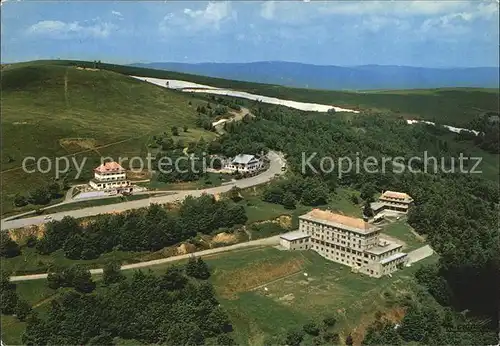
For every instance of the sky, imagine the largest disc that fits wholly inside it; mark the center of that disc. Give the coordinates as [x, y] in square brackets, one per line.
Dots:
[345, 33]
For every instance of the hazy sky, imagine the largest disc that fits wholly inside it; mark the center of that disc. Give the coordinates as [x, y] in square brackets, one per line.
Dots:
[417, 33]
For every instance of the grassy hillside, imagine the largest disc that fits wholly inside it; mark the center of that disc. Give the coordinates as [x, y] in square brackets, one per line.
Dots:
[452, 106]
[292, 300]
[56, 108]
[53, 111]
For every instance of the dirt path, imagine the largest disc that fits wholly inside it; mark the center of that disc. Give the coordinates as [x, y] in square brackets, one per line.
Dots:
[236, 116]
[44, 301]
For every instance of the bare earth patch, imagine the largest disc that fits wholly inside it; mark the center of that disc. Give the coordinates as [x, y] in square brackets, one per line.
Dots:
[225, 238]
[78, 143]
[87, 69]
[284, 221]
[135, 175]
[287, 298]
[19, 235]
[185, 248]
[395, 315]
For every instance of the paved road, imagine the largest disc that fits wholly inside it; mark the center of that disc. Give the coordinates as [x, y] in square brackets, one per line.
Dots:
[276, 163]
[259, 242]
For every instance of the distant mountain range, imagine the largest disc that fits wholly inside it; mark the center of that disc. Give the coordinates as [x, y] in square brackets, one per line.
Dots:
[340, 78]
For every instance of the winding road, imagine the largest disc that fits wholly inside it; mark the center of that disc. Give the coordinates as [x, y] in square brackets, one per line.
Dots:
[275, 167]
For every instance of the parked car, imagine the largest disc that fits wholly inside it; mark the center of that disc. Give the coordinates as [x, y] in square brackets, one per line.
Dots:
[48, 217]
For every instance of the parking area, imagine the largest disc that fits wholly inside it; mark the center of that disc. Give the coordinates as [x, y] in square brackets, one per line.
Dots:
[419, 254]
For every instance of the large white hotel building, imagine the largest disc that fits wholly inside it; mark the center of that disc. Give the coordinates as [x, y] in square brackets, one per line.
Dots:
[346, 240]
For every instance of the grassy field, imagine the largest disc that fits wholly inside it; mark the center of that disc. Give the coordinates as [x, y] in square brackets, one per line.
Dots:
[259, 210]
[211, 180]
[256, 209]
[38, 294]
[402, 231]
[452, 106]
[490, 163]
[54, 108]
[12, 330]
[30, 261]
[293, 299]
[55, 111]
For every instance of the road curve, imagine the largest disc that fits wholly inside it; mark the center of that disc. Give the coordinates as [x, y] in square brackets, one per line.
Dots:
[259, 242]
[276, 163]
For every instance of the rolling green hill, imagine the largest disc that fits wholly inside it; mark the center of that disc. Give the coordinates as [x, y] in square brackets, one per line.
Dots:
[54, 110]
[450, 106]
[58, 107]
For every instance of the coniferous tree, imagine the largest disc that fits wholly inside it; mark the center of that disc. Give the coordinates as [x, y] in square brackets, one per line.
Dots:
[22, 309]
[112, 273]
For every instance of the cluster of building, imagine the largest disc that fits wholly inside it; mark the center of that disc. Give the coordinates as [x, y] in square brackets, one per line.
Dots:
[347, 240]
[111, 176]
[343, 239]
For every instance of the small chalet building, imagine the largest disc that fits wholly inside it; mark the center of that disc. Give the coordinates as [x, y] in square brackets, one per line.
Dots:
[244, 164]
[110, 176]
[392, 201]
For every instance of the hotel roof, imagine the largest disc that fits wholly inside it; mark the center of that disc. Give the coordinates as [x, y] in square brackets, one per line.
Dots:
[242, 159]
[338, 220]
[380, 249]
[108, 167]
[394, 194]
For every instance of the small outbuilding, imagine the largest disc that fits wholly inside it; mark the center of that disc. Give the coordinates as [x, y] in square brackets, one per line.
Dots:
[296, 240]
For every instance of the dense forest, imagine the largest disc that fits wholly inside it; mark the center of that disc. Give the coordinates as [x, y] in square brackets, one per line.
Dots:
[487, 125]
[426, 323]
[147, 229]
[458, 212]
[176, 308]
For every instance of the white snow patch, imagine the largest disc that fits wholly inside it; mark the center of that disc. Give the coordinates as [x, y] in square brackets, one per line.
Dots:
[172, 83]
[194, 87]
[303, 106]
[451, 128]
